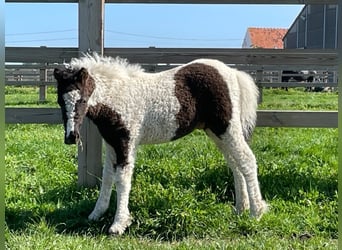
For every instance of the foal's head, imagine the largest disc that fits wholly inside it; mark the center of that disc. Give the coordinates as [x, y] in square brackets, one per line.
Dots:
[74, 88]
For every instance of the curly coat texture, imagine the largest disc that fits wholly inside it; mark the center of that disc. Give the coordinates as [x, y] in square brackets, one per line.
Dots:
[132, 107]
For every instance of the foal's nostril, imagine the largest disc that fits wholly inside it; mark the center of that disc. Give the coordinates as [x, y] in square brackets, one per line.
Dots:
[71, 138]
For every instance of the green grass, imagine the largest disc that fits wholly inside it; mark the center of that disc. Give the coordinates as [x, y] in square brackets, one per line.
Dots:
[182, 194]
[29, 97]
[297, 99]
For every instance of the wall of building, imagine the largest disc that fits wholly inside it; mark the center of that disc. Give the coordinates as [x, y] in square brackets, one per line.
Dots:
[315, 27]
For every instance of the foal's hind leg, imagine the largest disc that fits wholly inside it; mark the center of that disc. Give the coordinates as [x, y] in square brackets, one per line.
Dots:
[241, 194]
[106, 186]
[234, 145]
[246, 164]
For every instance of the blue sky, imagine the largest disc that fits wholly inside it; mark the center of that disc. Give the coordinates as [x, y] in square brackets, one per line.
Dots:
[144, 25]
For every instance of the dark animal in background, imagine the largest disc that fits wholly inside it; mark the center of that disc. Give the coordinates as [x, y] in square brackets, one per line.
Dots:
[298, 76]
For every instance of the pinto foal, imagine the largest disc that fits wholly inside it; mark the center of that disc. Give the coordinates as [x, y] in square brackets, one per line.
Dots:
[132, 107]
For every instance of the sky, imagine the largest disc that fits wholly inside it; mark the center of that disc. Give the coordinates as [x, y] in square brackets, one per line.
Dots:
[145, 25]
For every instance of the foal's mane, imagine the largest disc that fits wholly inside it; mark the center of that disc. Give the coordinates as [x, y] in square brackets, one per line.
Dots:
[103, 67]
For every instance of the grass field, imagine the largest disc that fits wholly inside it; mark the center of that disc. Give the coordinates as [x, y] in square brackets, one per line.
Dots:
[182, 195]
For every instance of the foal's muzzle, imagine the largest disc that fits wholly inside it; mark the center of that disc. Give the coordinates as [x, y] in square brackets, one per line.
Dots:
[72, 138]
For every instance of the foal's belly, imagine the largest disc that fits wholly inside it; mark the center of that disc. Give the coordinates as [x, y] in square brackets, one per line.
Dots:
[158, 129]
[158, 110]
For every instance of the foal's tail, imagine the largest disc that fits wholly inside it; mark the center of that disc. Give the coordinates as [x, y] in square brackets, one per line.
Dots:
[249, 94]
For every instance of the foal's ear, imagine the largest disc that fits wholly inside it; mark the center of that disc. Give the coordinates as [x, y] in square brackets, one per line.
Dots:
[58, 74]
[82, 75]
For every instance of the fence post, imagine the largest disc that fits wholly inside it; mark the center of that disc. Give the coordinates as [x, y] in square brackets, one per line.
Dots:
[91, 14]
[258, 80]
[42, 87]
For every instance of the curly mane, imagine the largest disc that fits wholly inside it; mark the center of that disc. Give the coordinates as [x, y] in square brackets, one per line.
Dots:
[106, 67]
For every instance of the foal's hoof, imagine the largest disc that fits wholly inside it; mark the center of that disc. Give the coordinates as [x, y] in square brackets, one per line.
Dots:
[94, 216]
[119, 228]
[115, 232]
[240, 208]
[260, 210]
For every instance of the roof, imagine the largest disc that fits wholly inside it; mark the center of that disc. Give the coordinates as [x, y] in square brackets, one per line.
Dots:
[268, 38]
[294, 22]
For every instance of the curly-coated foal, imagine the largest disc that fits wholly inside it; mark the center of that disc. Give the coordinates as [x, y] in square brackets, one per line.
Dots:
[132, 107]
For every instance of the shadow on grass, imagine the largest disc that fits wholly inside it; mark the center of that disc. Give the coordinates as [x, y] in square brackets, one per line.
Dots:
[72, 205]
[287, 186]
[68, 212]
[284, 185]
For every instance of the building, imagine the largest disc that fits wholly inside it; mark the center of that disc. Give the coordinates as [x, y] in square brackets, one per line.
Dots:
[314, 28]
[267, 38]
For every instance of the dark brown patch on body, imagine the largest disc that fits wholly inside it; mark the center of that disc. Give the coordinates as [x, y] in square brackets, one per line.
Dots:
[204, 98]
[112, 129]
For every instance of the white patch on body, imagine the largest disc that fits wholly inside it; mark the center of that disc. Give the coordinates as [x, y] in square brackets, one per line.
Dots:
[146, 102]
[70, 100]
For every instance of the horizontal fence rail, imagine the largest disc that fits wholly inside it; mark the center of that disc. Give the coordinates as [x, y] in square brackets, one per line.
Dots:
[266, 118]
[307, 57]
[262, 84]
[25, 75]
[298, 119]
[33, 116]
[188, 1]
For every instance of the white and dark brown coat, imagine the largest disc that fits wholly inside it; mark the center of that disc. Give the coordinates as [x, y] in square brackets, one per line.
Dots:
[132, 107]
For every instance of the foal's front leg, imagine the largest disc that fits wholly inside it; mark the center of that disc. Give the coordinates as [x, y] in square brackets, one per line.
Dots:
[123, 176]
[106, 186]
